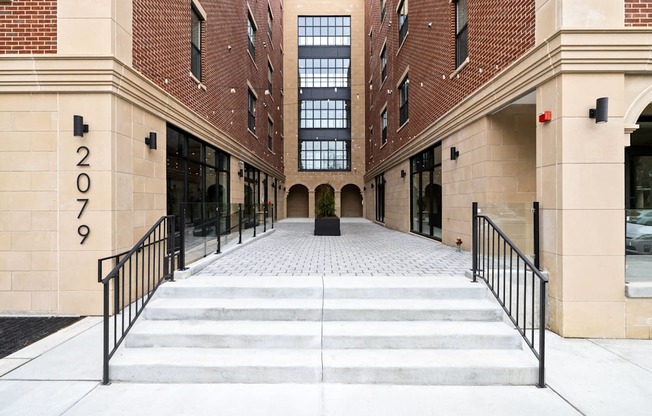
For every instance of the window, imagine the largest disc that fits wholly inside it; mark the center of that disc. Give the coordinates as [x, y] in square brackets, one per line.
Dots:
[383, 64]
[426, 193]
[402, 21]
[324, 114]
[252, 112]
[325, 155]
[383, 7]
[380, 197]
[324, 31]
[461, 35]
[270, 21]
[383, 126]
[270, 134]
[195, 44]
[403, 101]
[324, 73]
[270, 72]
[251, 33]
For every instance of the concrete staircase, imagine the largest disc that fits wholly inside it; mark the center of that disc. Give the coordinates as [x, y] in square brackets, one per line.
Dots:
[388, 330]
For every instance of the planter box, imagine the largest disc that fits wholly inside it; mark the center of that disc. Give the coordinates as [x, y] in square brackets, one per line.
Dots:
[327, 226]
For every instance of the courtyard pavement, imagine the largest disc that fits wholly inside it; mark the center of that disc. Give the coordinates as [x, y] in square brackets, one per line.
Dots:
[60, 374]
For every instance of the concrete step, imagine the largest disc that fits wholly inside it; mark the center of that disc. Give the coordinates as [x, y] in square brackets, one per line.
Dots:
[336, 335]
[404, 366]
[328, 287]
[292, 309]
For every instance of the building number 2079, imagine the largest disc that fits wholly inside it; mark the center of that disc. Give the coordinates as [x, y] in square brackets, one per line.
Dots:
[83, 186]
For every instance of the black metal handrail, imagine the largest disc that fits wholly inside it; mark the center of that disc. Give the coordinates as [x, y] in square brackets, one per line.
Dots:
[136, 274]
[505, 270]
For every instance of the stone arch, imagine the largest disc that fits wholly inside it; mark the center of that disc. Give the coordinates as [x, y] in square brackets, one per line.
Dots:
[637, 107]
[297, 201]
[351, 201]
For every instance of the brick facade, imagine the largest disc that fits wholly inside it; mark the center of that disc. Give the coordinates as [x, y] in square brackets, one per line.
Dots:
[162, 54]
[498, 32]
[638, 13]
[28, 27]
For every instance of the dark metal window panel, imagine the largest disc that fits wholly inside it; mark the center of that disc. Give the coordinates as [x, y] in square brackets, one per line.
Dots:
[403, 101]
[324, 72]
[251, 108]
[195, 44]
[324, 30]
[461, 32]
[383, 64]
[383, 124]
[402, 21]
[251, 36]
[324, 155]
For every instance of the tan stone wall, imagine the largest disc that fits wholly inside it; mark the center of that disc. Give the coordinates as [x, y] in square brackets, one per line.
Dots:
[291, 10]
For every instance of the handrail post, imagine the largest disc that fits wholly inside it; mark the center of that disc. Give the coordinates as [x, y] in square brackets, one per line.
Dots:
[535, 213]
[172, 248]
[182, 237]
[255, 218]
[240, 223]
[265, 218]
[105, 358]
[542, 333]
[474, 239]
[272, 215]
[218, 230]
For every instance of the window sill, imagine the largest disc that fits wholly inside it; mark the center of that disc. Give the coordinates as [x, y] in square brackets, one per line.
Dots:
[459, 68]
[252, 133]
[253, 61]
[383, 145]
[403, 125]
[402, 43]
[196, 81]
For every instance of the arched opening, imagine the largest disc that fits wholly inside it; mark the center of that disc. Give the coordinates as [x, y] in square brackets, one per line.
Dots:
[298, 202]
[351, 199]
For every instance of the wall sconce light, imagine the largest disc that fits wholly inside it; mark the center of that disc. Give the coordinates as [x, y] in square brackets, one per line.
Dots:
[454, 153]
[403, 174]
[430, 25]
[601, 111]
[78, 126]
[372, 186]
[151, 140]
[241, 173]
[279, 187]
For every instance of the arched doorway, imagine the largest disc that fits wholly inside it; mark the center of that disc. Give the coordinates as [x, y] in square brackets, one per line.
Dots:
[298, 202]
[351, 199]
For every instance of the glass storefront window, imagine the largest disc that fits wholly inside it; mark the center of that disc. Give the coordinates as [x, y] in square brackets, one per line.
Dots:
[426, 193]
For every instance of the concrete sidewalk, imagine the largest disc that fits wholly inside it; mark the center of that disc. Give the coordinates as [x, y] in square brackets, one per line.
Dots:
[60, 374]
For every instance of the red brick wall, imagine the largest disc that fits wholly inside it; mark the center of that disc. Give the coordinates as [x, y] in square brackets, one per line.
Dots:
[28, 27]
[638, 13]
[162, 54]
[499, 31]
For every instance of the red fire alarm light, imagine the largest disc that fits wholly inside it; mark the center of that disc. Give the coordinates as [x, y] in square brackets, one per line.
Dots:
[545, 117]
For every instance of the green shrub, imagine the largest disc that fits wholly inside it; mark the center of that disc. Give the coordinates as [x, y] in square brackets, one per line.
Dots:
[325, 203]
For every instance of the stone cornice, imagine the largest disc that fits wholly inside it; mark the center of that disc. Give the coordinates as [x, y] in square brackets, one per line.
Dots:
[569, 51]
[54, 74]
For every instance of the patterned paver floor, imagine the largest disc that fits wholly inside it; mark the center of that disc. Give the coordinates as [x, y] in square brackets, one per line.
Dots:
[363, 249]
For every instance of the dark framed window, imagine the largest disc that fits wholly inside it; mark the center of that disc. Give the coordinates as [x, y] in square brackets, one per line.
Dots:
[426, 193]
[251, 36]
[251, 108]
[195, 43]
[270, 21]
[383, 64]
[461, 34]
[324, 114]
[383, 126]
[383, 8]
[402, 21]
[324, 73]
[379, 182]
[324, 155]
[197, 176]
[270, 134]
[403, 101]
[270, 73]
[324, 30]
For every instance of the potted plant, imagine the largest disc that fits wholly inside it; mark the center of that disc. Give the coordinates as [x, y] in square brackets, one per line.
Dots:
[326, 222]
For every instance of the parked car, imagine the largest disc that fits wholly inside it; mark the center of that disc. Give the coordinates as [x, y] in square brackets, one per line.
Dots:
[638, 237]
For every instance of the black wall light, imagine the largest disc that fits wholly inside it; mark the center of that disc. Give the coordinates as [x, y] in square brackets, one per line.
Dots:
[601, 111]
[454, 153]
[403, 174]
[151, 140]
[241, 173]
[78, 126]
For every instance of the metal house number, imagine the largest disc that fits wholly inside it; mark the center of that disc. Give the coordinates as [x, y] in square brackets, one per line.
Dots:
[83, 186]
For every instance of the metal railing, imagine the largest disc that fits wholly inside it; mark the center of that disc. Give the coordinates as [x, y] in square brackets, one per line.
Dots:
[514, 279]
[134, 277]
[204, 228]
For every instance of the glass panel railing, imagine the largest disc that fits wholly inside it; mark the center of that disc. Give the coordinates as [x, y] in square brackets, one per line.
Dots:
[205, 228]
[638, 245]
[516, 221]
